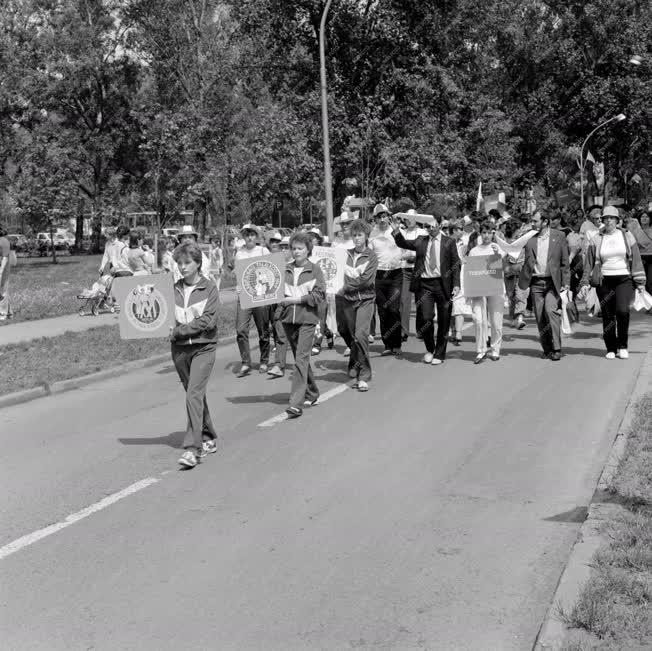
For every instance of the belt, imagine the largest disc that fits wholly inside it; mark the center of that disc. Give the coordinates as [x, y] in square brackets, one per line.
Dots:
[387, 271]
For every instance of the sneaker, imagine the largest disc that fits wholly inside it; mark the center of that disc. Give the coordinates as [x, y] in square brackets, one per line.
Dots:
[623, 353]
[188, 459]
[480, 357]
[611, 355]
[208, 447]
[244, 370]
[363, 386]
[427, 358]
[494, 357]
[310, 403]
[276, 371]
[263, 368]
[398, 353]
[436, 362]
[315, 350]
[520, 322]
[387, 352]
[372, 339]
[294, 412]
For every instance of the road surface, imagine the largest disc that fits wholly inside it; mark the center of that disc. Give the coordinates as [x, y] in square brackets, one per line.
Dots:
[434, 512]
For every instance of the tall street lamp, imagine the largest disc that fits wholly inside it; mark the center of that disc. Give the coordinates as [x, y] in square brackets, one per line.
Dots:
[616, 118]
[328, 183]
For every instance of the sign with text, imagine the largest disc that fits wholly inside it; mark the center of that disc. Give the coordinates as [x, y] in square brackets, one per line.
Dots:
[146, 305]
[483, 276]
[261, 280]
[332, 262]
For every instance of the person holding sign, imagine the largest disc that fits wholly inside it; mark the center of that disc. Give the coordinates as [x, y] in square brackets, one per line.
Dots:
[358, 297]
[487, 310]
[194, 340]
[546, 273]
[436, 281]
[305, 290]
[260, 315]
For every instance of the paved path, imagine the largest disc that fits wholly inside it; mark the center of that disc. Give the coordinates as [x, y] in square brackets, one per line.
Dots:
[434, 512]
[16, 333]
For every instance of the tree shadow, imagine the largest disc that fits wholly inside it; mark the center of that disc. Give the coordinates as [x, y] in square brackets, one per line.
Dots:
[574, 516]
[173, 440]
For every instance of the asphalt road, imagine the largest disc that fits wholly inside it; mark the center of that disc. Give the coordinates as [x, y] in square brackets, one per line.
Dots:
[434, 512]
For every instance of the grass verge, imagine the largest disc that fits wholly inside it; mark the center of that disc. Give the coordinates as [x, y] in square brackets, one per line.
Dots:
[615, 606]
[74, 354]
[39, 289]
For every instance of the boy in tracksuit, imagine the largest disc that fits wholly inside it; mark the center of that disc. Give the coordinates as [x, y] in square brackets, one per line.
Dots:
[194, 340]
[358, 297]
[305, 291]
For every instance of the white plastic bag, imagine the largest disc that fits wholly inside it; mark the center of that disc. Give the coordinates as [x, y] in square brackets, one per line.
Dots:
[642, 301]
[592, 302]
[565, 321]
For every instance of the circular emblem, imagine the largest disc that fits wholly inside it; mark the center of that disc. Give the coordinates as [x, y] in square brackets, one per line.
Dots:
[146, 308]
[261, 280]
[328, 268]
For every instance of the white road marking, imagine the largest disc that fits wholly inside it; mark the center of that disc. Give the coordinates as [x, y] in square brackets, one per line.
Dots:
[35, 536]
[335, 391]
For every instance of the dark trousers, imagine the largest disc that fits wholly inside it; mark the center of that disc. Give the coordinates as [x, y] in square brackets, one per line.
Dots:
[243, 319]
[406, 304]
[431, 294]
[388, 302]
[280, 340]
[304, 387]
[546, 303]
[357, 318]
[647, 265]
[194, 363]
[615, 294]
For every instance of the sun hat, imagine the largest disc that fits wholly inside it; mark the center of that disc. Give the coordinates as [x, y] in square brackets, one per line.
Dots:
[250, 227]
[345, 218]
[187, 229]
[285, 240]
[275, 237]
[316, 231]
[611, 211]
[380, 208]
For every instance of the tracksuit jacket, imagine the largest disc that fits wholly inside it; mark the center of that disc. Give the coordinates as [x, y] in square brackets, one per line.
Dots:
[196, 323]
[360, 276]
[310, 287]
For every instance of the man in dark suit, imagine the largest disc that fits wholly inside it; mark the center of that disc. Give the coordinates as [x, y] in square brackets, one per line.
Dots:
[546, 272]
[436, 281]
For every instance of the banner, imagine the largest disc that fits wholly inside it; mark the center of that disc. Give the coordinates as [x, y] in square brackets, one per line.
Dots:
[146, 305]
[261, 280]
[483, 276]
[332, 262]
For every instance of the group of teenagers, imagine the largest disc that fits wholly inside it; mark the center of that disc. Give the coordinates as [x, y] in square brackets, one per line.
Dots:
[389, 258]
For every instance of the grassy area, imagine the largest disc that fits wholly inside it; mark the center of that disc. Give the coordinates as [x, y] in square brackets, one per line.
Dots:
[78, 353]
[39, 289]
[615, 607]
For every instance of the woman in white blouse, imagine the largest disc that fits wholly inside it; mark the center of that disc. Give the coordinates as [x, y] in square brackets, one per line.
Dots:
[487, 311]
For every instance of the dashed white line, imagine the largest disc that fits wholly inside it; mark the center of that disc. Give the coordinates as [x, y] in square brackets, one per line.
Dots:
[35, 536]
[335, 391]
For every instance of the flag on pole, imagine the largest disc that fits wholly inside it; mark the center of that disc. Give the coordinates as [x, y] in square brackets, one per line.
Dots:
[590, 159]
[478, 201]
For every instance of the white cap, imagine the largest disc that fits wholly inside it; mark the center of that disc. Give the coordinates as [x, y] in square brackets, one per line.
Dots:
[188, 229]
[250, 227]
[276, 236]
[611, 211]
[380, 208]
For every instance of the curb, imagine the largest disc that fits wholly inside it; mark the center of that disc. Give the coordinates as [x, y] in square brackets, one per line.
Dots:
[553, 633]
[50, 389]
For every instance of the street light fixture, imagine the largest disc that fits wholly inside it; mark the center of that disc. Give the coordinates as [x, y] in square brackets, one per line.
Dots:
[328, 183]
[616, 118]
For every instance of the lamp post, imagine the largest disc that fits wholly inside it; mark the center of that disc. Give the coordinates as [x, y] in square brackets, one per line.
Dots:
[616, 118]
[328, 183]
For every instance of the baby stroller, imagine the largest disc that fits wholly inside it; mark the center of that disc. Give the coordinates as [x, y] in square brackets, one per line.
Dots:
[98, 299]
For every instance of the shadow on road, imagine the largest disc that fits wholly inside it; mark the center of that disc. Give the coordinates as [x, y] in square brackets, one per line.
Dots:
[574, 516]
[173, 440]
[276, 399]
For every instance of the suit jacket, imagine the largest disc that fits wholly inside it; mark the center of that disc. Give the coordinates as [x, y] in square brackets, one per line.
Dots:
[558, 266]
[449, 260]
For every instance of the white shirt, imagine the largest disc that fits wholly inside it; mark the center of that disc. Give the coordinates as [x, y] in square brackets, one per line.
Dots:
[613, 253]
[343, 244]
[486, 249]
[434, 248]
[411, 235]
[118, 257]
[541, 265]
[384, 246]
[244, 253]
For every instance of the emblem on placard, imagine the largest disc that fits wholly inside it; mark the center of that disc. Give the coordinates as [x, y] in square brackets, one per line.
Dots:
[261, 280]
[145, 308]
[328, 267]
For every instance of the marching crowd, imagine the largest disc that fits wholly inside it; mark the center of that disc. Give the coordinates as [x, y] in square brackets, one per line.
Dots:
[546, 265]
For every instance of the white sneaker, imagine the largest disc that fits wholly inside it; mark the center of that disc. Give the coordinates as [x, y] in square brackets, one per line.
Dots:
[427, 358]
[610, 355]
[436, 362]
[347, 352]
[363, 386]
[372, 339]
[188, 459]
[623, 353]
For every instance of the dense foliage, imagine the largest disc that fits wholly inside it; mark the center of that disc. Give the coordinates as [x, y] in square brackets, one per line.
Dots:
[108, 106]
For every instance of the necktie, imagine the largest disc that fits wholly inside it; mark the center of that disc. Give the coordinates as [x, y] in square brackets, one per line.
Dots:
[434, 263]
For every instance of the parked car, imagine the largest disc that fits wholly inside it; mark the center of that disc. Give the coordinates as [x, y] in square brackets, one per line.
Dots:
[61, 242]
[43, 243]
